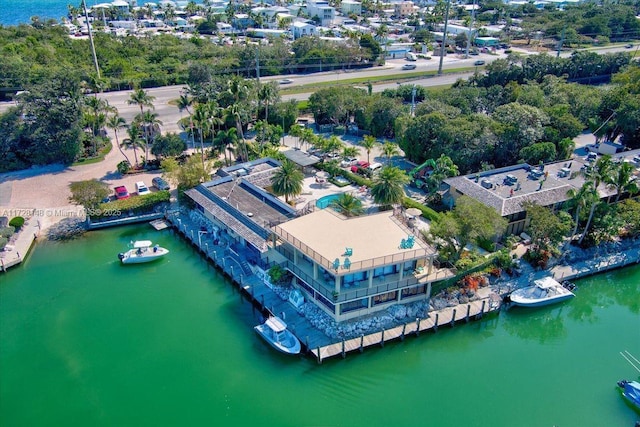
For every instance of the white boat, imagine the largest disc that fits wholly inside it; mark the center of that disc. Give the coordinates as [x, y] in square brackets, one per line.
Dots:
[543, 292]
[142, 251]
[275, 332]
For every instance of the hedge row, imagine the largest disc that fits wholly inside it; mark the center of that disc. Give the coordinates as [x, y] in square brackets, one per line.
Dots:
[427, 212]
[135, 204]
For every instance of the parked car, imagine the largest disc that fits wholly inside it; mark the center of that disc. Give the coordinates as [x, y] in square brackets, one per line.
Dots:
[361, 164]
[409, 67]
[160, 183]
[121, 192]
[478, 62]
[141, 188]
[629, 46]
[285, 81]
[348, 161]
[374, 166]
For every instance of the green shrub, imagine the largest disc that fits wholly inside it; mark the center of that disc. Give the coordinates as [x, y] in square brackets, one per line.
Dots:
[17, 222]
[3, 242]
[135, 205]
[486, 244]
[427, 212]
[123, 167]
[7, 231]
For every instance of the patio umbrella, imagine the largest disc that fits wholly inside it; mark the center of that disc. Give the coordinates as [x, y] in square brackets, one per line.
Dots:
[413, 212]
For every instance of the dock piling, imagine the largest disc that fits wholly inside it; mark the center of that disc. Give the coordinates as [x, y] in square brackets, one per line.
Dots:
[404, 327]
[361, 343]
[344, 353]
[453, 318]
[418, 325]
[435, 326]
[382, 339]
[466, 319]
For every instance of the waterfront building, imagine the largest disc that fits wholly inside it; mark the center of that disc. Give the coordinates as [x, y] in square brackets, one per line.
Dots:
[508, 189]
[348, 7]
[348, 267]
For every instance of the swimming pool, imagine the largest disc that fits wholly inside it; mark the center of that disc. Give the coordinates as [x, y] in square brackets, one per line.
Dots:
[325, 201]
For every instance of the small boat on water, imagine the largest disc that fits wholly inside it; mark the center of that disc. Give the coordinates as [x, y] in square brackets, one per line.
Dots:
[631, 392]
[544, 291]
[275, 332]
[142, 251]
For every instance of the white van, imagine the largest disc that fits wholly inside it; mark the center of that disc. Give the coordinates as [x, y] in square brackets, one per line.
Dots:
[141, 188]
[375, 166]
[411, 56]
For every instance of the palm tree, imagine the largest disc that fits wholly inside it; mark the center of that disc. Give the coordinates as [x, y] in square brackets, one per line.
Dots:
[388, 186]
[308, 137]
[620, 179]
[581, 199]
[390, 149]
[369, 143]
[350, 151]
[141, 98]
[151, 126]
[235, 111]
[134, 139]
[287, 181]
[333, 144]
[296, 131]
[596, 174]
[226, 141]
[115, 123]
[348, 205]
[201, 120]
[184, 102]
[444, 168]
[266, 94]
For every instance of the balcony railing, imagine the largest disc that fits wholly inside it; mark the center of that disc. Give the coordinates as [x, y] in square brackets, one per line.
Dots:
[367, 264]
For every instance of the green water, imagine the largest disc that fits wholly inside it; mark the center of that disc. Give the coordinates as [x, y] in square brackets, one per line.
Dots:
[87, 341]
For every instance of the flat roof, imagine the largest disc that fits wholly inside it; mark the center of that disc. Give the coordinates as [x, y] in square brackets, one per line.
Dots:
[301, 158]
[326, 235]
[508, 189]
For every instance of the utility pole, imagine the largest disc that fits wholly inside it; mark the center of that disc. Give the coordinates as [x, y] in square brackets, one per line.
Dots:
[473, 16]
[93, 48]
[444, 36]
[258, 64]
[561, 41]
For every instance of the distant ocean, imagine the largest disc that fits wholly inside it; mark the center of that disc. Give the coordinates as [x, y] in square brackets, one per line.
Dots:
[15, 12]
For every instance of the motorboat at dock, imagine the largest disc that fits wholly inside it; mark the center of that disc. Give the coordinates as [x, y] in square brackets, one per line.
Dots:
[275, 332]
[142, 251]
[544, 291]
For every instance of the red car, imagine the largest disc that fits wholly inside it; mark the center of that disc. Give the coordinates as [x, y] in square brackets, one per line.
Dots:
[362, 164]
[121, 192]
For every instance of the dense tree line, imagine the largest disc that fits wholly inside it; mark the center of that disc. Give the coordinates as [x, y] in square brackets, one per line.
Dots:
[30, 55]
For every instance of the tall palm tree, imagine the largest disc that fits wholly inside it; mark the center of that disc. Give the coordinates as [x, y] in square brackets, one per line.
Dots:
[151, 127]
[116, 123]
[348, 205]
[333, 144]
[235, 111]
[389, 149]
[287, 181]
[620, 179]
[268, 93]
[596, 174]
[184, 102]
[226, 141]
[581, 199]
[296, 131]
[142, 99]
[134, 141]
[388, 186]
[369, 143]
[201, 121]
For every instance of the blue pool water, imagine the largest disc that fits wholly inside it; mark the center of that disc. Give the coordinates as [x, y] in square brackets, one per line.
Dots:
[325, 201]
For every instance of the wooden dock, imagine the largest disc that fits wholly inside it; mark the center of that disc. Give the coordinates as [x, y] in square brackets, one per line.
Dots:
[159, 224]
[316, 342]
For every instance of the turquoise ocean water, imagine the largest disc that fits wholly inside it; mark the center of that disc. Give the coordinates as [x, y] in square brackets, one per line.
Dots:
[85, 341]
[15, 12]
